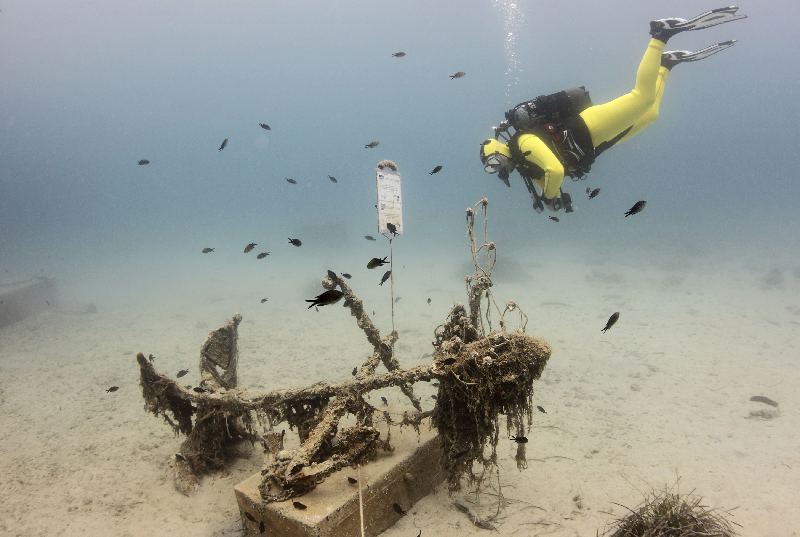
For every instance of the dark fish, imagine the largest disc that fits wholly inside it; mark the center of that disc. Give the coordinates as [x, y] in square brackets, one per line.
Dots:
[207, 250]
[429, 300]
[180, 457]
[262, 527]
[332, 275]
[347, 275]
[398, 509]
[520, 439]
[182, 372]
[385, 402]
[144, 162]
[437, 169]
[458, 74]
[250, 517]
[327, 298]
[399, 54]
[291, 181]
[199, 389]
[369, 237]
[375, 262]
[637, 208]
[298, 505]
[434, 397]
[373, 144]
[295, 242]
[264, 300]
[611, 320]
[541, 409]
[112, 389]
[392, 228]
[352, 480]
[354, 372]
[385, 277]
[223, 144]
[265, 126]
[249, 247]
[262, 255]
[333, 179]
[554, 218]
[593, 193]
[764, 399]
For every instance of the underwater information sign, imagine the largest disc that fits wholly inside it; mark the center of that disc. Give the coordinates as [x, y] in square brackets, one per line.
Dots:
[390, 201]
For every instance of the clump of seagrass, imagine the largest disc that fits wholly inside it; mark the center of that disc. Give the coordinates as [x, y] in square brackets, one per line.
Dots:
[486, 376]
[671, 514]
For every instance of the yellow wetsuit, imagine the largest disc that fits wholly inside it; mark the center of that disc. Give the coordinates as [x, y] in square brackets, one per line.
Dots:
[634, 110]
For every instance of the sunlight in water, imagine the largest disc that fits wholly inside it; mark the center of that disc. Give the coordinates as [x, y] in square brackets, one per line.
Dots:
[513, 20]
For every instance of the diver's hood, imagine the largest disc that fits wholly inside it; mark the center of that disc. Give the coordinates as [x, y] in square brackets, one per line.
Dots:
[496, 158]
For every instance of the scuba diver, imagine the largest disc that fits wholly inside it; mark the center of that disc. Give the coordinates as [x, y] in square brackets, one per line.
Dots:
[562, 133]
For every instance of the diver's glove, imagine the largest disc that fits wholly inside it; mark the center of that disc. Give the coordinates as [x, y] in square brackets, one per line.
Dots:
[554, 205]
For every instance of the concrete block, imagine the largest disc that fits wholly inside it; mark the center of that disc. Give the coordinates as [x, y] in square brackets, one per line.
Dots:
[403, 476]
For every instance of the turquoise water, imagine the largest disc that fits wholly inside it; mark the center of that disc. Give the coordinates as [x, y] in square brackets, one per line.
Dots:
[89, 89]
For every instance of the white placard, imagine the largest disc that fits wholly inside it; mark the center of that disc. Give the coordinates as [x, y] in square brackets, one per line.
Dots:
[390, 200]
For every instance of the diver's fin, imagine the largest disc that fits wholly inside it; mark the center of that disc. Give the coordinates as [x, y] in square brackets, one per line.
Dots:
[671, 58]
[666, 28]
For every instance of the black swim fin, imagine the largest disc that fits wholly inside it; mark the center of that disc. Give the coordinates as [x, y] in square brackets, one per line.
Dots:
[671, 58]
[665, 28]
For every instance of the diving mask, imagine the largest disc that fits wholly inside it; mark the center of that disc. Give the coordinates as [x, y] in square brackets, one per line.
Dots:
[496, 158]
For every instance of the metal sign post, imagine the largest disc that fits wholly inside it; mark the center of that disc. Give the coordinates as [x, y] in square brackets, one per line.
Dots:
[390, 212]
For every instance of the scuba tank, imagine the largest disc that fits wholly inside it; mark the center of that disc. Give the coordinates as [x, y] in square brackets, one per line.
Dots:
[555, 119]
[550, 109]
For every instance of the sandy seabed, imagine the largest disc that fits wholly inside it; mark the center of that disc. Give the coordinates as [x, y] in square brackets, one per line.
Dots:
[664, 394]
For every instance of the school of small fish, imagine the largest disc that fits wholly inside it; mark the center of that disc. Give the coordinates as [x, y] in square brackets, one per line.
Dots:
[332, 296]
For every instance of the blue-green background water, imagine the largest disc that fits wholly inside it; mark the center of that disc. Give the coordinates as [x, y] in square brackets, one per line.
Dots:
[89, 88]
